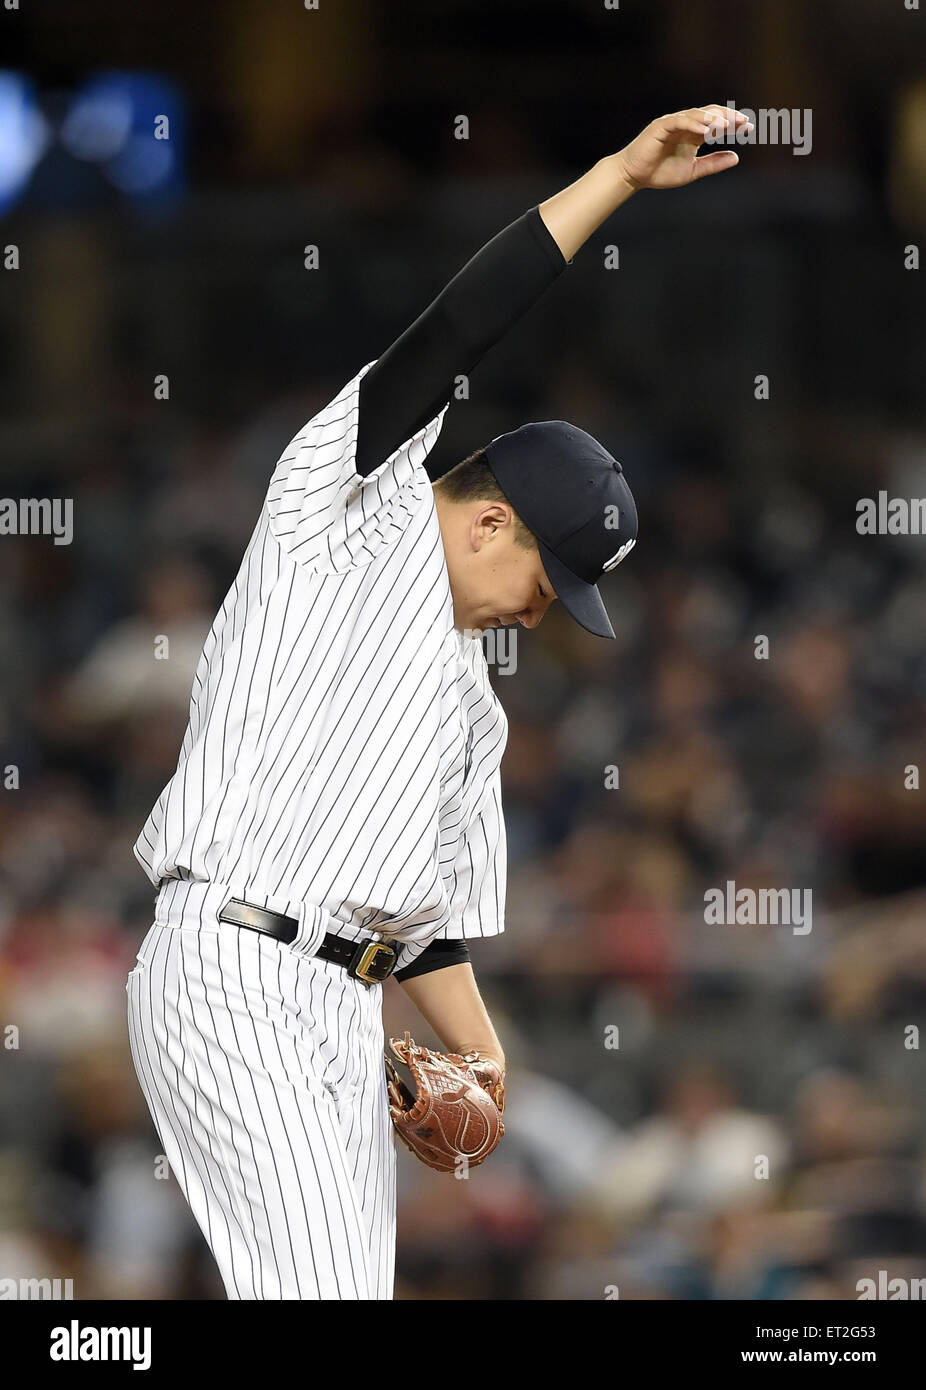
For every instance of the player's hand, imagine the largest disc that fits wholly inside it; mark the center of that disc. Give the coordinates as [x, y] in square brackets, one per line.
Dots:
[490, 1073]
[665, 154]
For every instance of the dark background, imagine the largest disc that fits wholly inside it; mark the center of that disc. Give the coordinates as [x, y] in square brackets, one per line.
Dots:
[631, 1167]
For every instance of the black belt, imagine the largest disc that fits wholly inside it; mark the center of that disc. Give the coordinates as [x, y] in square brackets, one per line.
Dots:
[369, 961]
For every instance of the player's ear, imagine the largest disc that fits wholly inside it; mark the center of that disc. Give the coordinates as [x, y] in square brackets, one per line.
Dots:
[488, 521]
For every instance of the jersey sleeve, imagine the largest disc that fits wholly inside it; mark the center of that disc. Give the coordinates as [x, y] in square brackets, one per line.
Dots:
[480, 873]
[479, 881]
[323, 513]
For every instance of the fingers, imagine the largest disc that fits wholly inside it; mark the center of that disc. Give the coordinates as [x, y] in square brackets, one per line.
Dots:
[714, 163]
[723, 117]
[720, 119]
[684, 123]
[699, 120]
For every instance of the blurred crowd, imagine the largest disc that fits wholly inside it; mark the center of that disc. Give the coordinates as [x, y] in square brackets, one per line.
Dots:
[695, 1111]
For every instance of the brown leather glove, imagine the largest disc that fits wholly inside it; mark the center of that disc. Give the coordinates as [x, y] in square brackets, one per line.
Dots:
[455, 1112]
[490, 1076]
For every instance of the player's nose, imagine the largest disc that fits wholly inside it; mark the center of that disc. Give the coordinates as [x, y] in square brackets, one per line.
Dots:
[534, 615]
[531, 616]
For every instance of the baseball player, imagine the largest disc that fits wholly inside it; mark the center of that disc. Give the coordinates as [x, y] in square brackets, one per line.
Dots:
[335, 816]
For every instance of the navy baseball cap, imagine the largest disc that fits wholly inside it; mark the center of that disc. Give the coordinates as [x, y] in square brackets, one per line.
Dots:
[573, 496]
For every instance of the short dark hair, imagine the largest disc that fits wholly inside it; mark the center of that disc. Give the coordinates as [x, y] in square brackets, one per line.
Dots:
[472, 480]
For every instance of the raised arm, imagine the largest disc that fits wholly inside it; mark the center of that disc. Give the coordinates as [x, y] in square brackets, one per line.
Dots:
[411, 382]
[414, 378]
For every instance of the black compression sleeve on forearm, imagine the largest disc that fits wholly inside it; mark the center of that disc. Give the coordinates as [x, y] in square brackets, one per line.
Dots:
[413, 379]
[437, 955]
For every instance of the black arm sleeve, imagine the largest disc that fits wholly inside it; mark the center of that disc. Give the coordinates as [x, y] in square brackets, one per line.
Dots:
[435, 956]
[413, 379]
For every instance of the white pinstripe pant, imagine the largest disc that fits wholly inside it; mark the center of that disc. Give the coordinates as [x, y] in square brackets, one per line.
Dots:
[263, 1071]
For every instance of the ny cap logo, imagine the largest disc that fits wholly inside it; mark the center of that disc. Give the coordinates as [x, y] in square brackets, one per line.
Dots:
[616, 559]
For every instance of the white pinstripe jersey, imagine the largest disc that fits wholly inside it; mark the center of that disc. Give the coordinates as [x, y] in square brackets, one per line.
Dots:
[344, 741]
